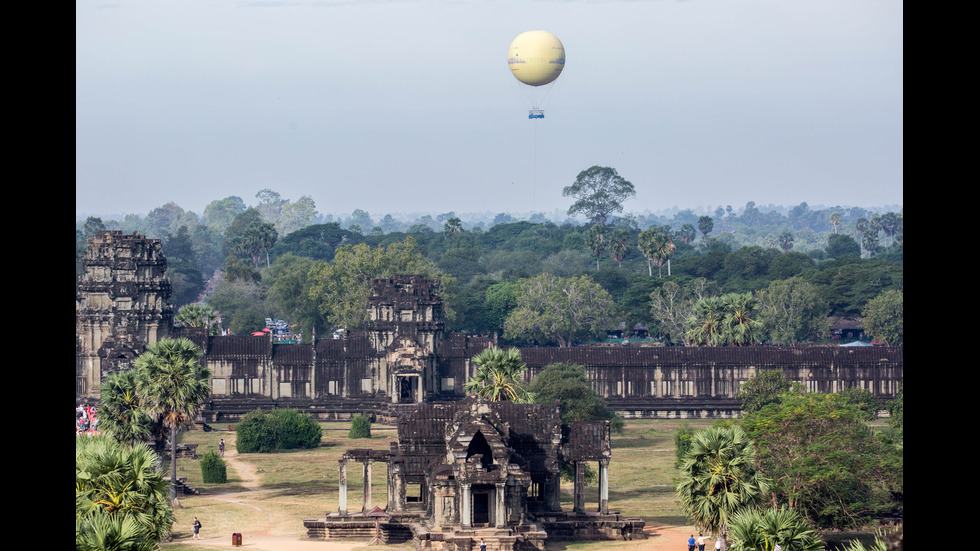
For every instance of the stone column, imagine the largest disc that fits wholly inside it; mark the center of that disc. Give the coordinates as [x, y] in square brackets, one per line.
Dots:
[342, 480]
[604, 486]
[465, 514]
[578, 494]
[367, 486]
[500, 510]
[390, 487]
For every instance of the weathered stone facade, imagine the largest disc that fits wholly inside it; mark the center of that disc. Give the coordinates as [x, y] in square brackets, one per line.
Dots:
[122, 304]
[468, 470]
[405, 357]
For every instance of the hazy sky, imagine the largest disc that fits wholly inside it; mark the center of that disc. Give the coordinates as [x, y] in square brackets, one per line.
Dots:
[409, 106]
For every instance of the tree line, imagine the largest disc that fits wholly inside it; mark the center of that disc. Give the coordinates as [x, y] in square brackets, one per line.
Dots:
[623, 272]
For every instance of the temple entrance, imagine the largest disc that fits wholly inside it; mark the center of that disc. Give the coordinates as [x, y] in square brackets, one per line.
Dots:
[481, 507]
[408, 390]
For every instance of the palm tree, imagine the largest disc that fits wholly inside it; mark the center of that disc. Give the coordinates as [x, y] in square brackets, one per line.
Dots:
[755, 530]
[197, 315]
[120, 496]
[498, 376]
[620, 244]
[719, 478]
[596, 240]
[741, 326]
[120, 414]
[705, 225]
[705, 325]
[656, 246]
[171, 385]
[835, 220]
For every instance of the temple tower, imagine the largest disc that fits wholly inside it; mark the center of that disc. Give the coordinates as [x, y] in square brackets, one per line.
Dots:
[405, 326]
[122, 303]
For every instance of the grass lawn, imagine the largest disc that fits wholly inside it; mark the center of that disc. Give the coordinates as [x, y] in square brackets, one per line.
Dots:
[301, 484]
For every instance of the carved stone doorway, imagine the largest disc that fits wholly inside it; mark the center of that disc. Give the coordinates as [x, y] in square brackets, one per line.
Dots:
[481, 506]
[408, 389]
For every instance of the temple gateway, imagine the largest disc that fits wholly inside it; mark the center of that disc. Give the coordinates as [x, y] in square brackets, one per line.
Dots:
[468, 470]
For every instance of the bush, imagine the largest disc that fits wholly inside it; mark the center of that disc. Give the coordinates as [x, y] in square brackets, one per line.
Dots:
[213, 468]
[360, 427]
[283, 429]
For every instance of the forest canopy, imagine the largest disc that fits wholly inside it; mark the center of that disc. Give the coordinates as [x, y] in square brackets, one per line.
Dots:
[798, 269]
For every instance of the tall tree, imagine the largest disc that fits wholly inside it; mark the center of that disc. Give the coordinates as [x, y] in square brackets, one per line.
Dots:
[172, 384]
[705, 225]
[599, 192]
[719, 478]
[883, 317]
[560, 309]
[742, 327]
[568, 384]
[824, 460]
[621, 244]
[120, 413]
[340, 288]
[706, 324]
[596, 240]
[793, 311]
[656, 247]
[498, 376]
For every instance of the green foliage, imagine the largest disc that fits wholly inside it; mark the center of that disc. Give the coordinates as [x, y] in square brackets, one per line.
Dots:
[682, 441]
[599, 192]
[281, 429]
[728, 320]
[360, 427]
[737, 253]
[719, 477]
[498, 376]
[824, 460]
[568, 384]
[765, 388]
[120, 496]
[560, 309]
[120, 413]
[793, 311]
[213, 468]
[884, 318]
[763, 530]
[340, 288]
[863, 401]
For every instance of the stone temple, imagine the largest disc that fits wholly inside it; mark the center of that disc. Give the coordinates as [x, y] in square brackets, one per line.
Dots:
[470, 469]
[404, 356]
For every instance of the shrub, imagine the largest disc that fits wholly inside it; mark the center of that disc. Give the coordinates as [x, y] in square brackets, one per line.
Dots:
[213, 468]
[283, 429]
[360, 427]
[295, 430]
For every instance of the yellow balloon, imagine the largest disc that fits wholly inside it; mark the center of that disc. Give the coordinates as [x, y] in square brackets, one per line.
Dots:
[536, 57]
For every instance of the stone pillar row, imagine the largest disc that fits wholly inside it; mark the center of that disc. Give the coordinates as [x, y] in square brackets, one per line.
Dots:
[342, 480]
[578, 496]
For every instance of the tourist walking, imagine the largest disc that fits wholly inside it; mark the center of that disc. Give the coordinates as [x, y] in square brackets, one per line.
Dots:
[221, 447]
[691, 543]
[197, 529]
[700, 542]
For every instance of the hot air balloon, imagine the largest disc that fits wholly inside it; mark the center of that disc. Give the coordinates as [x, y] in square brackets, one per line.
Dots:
[536, 58]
